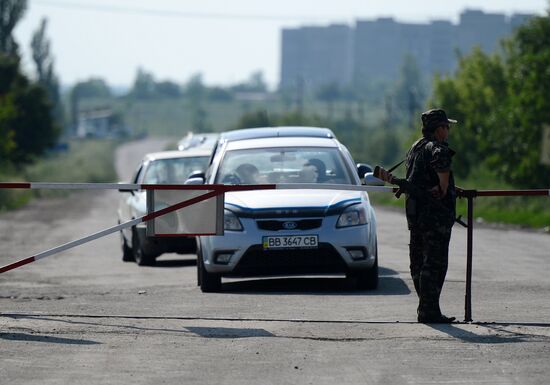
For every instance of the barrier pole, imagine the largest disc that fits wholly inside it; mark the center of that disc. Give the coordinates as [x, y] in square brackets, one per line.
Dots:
[469, 260]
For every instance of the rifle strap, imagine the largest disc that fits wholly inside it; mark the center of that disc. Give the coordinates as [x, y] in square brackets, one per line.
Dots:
[397, 165]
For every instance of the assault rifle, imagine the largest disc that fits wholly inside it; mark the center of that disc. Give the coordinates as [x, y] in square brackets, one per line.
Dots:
[404, 185]
[414, 191]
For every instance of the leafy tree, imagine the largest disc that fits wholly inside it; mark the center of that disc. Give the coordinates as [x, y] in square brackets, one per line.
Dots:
[329, 93]
[410, 92]
[8, 72]
[35, 130]
[502, 105]
[255, 83]
[44, 67]
[41, 53]
[26, 125]
[144, 85]
[195, 88]
[253, 119]
[92, 88]
[11, 11]
[477, 96]
[168, 89]
[261, 118]
[528, 71]
[219, 94]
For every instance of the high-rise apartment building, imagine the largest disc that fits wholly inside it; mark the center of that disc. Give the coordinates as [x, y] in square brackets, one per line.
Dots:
[374, 50]
[316, 56]
[477, 28]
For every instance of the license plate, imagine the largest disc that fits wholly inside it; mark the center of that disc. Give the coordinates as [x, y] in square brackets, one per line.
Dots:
[291, 242]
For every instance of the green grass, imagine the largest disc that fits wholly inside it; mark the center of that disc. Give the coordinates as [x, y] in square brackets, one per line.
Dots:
[86, 161]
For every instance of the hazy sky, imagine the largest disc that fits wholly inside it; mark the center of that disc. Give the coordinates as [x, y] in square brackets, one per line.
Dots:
[223, 40]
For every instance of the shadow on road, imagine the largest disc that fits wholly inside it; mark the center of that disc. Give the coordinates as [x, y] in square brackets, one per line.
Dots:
[501, 336]
[176, 263]
[210, 332]
[387, 285]
[52, 340]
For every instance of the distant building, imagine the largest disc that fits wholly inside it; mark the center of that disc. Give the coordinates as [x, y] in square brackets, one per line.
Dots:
[442, 45]
[377, 49]
[99, 123]
[315, 56]
[373, 51]
[477, 28]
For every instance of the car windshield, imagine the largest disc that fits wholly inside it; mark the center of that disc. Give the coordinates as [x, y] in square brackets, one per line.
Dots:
[173, 171]
[283, 165]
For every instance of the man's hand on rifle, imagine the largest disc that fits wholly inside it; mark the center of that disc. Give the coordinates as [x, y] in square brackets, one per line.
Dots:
[382, 174]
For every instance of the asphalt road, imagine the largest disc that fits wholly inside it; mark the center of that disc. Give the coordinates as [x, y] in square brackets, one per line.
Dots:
[86, 317]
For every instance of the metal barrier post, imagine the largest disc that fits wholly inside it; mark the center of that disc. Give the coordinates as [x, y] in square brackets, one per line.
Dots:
[469, 254]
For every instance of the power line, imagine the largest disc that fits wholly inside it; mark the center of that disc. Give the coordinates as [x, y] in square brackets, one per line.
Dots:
[175, 13]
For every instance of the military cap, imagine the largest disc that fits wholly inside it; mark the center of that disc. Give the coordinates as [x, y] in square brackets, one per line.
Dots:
[434, 118]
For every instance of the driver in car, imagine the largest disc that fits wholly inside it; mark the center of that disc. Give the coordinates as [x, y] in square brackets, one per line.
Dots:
[247, 173]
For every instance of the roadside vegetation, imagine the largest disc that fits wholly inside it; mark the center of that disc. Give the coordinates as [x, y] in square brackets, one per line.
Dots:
[86, 161]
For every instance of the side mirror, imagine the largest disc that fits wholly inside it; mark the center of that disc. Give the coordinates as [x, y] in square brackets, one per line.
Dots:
[362, 169]
[197, 174]
[371, 180]
[196, 177]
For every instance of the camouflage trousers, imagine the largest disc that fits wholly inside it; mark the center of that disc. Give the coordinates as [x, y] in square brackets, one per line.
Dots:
[429, 256]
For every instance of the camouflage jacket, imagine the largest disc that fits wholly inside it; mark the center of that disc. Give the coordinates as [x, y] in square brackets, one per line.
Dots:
[424, 160]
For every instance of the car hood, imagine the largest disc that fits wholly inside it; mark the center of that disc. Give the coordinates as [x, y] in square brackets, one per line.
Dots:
[279, 203]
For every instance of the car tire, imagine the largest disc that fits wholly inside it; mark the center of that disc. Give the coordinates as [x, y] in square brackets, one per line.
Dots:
[209, 282]
[199, 263]
[367, 279]
[127, 253]
[141, 256]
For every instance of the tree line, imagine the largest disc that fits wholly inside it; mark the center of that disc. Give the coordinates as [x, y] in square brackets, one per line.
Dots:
[30, 109]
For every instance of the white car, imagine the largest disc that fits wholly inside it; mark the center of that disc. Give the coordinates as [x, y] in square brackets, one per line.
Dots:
[198, 140]
[167, 167]
[293, 231]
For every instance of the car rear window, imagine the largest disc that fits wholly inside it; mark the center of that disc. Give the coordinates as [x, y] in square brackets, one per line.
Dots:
[173, 171]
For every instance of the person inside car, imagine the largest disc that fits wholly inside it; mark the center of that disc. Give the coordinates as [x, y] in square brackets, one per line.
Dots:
[317, 166]
[248, 173]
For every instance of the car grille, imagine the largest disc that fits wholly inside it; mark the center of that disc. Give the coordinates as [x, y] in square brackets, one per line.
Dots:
[257, 262]
[303, 224]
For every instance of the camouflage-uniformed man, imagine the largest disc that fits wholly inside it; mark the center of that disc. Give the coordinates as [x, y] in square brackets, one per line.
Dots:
[430, 208]
[430, 221]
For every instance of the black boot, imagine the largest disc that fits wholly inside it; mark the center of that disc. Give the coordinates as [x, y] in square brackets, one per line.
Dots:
[434, 318]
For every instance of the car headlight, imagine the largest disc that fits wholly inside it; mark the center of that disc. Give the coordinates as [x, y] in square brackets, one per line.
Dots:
[353, 216]
[231, 222]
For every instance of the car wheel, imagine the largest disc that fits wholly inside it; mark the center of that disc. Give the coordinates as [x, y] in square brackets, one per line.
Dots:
[209, 282]
[199, 263]
[127, 253]
[367, 279]
[141, 257]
